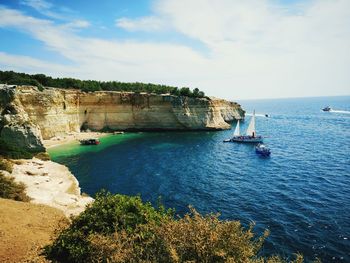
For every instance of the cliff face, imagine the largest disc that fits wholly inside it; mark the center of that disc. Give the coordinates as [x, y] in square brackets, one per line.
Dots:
[58, 111]
[17, 131]
[35, 114]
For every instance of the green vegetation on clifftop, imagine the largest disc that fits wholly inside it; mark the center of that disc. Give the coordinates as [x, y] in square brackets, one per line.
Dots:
[41, 80]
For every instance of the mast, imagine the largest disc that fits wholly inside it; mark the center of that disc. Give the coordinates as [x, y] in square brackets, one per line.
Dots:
[251, 127]
[237, 131]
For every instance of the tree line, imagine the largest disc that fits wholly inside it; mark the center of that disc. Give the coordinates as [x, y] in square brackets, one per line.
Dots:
[41, 80]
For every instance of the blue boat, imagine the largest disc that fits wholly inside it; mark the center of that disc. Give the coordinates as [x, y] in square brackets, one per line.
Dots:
[262, 150]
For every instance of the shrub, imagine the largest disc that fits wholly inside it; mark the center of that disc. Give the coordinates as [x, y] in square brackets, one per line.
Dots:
[11, 190]
[193, 238]
[6, 165]
[200, 238]
[13, 152]
[105, 216]
[118, 228]
[44, 156]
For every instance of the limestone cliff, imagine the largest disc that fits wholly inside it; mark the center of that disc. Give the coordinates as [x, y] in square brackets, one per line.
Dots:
[59, 111]
[17, 131]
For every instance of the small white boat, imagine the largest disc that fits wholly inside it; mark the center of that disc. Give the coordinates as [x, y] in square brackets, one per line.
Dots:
[249, 137]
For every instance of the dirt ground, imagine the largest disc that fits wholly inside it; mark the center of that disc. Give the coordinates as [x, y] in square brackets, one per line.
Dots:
[25, 228]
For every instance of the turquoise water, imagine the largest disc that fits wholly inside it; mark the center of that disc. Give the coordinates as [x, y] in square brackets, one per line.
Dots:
[301, 193]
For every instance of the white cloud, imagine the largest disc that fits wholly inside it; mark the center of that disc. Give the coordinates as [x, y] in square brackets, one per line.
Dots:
[150, 23]
[44, 7]
[78, 24]
[47, 9]
[108, 60]
[255, 47]
[263, 49]
[31, 65]
[37, 4]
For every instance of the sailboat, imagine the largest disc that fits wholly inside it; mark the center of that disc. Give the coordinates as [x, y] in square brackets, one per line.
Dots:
[236, 133]
[249, 137]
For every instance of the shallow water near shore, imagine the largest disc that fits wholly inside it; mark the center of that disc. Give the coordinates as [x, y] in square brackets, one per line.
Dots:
[301, 193]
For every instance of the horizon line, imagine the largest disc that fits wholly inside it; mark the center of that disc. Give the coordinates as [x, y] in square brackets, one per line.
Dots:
[297, 97]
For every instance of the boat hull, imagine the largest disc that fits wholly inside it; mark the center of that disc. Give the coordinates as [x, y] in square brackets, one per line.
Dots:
[247, 139]
[251, 138]
[262, 150]
[90, 142]
[263, 153]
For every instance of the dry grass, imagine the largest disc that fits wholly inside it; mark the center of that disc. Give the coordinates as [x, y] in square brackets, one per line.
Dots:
[18, 162]
[72, 189]
[44, 156]
[85, 194]
[10, 189]
[6, 165]
[193, 238]
[25, 229]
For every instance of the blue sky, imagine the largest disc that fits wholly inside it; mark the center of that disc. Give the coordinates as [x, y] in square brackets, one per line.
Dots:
[228, 48]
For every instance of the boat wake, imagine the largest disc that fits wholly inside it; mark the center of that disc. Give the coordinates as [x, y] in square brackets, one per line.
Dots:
[340, 111]
[257, 115]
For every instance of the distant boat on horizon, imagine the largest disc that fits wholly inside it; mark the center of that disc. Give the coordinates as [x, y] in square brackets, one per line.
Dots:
[249, 137]
[328, 108]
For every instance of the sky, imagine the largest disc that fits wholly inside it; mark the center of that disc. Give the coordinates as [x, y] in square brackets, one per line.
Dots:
[231, 49]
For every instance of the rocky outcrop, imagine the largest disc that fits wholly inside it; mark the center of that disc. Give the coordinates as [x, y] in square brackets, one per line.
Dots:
[58, 111]
[17, 131]
[51, 184]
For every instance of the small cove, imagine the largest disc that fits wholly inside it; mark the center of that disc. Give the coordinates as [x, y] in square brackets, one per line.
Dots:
[301, 193]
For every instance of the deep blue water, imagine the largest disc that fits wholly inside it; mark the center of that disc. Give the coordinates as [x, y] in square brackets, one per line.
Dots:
[301, 193]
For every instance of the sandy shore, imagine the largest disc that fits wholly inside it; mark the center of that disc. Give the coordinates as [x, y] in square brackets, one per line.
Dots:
[51, 184]
[72, 137]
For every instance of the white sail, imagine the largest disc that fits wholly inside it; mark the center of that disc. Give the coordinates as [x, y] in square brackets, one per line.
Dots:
[251, 127]
[237, 131]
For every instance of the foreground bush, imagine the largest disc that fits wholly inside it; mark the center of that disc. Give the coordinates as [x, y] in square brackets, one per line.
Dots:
[11, 190]
[193, 238]
[117, 228]
[109, 214]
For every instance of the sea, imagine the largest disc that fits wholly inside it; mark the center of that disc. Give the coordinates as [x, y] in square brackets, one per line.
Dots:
[301, 193]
